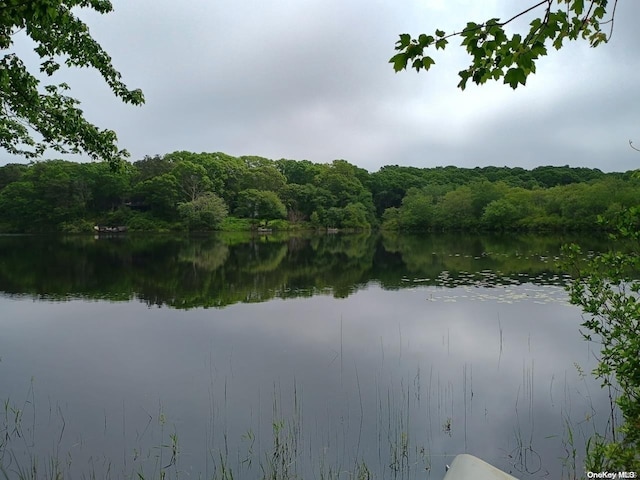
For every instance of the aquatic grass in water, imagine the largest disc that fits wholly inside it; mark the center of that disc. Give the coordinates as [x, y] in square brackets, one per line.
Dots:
[157, 454]
[393, 392]
[401, 453]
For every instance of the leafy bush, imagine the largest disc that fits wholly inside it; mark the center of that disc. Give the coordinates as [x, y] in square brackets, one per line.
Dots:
[607, 288]
[143, 222]
[76, 226]
[207, 212]
[235, 224]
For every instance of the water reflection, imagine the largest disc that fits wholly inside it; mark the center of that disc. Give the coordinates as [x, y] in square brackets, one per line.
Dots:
[216, 271]
[393, 370]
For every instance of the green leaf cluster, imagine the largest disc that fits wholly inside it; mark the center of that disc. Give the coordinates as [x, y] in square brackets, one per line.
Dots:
[262, 205]
[607, 289]
[496, 54]
[28, 105]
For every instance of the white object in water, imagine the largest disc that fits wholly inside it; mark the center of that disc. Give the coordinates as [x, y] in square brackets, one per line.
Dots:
[468, 467]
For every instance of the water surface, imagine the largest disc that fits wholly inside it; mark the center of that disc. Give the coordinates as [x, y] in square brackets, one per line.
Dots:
[322, 357]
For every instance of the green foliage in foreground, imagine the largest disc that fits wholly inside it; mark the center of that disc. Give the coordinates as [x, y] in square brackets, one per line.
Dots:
[498, 54]
[184, 191]
[60, 37]
[607, 290]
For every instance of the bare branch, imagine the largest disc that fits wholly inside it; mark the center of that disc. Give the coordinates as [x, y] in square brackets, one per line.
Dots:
[631, 145]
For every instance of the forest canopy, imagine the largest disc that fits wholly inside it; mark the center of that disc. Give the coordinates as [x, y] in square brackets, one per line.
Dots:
[183, 191]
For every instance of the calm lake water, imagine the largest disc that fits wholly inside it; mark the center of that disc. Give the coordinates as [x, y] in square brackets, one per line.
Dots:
[309, 357]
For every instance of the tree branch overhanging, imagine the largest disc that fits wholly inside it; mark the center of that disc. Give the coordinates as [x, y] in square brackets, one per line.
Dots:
[28, 107]
[497, 54]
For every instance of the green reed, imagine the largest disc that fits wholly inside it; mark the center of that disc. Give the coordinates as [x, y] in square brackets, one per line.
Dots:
[285, 453]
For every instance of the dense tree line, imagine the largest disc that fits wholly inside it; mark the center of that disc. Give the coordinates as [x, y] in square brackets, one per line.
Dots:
[213, 191]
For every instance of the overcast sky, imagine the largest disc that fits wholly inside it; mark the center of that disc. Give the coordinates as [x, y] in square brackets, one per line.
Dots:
[310, 79]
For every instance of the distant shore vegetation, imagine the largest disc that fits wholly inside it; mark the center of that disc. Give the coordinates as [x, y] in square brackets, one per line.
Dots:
[185, 191]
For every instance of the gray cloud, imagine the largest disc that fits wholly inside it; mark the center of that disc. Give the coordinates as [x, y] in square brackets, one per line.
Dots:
[310, 79]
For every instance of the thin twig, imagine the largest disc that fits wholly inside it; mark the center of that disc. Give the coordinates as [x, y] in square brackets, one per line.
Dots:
[500, 24]
[544, 23]
[586, 17]
[525, 11]
[613, 16]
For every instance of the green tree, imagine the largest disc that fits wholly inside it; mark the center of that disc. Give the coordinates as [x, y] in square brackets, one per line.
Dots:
[150, 167]
[534, 208]
[501, 214]
[298, 171]
[260, 205]
[28, 105]
[339, 179]
[217, 175]
[355, 216]
[344, 183]
[333, 217]
[49, 195]
[417, 211]
[193, 180]
[208, 161]
[161, 194]
[10, 173]
[497, 54]
[207, 212]
[109, 189]
[229, 171]
[579, 204]
[263, 177]
[391, 219]
[456, 209]
[18, 207]
[63, 191]
[390, 184]
[302, 200]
